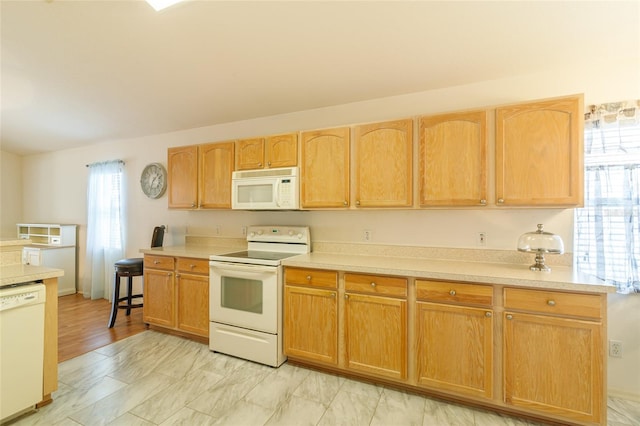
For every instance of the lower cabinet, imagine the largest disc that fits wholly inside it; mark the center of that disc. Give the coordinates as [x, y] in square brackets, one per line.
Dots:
[176, 294]
[552, 363]
[536, 352]
[454, 341]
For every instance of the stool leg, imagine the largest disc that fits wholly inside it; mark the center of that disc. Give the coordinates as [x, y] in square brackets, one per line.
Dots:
[129, 293]
[114, 303]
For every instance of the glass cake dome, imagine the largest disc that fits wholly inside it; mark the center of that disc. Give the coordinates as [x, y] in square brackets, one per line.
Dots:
[540, 242]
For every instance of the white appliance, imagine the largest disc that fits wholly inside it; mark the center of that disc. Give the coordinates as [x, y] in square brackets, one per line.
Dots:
[246, 291]
[22, 342]
[266, 189]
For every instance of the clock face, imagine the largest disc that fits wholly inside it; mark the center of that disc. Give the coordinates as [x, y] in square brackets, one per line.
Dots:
[153, 180]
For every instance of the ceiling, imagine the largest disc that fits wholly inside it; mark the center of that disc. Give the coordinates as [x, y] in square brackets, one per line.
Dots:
[79, 72]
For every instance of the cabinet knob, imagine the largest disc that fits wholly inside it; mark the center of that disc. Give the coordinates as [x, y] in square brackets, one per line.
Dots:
[169, 274]
[509, 317]
[269, 163]
[500, 200]
[333, 295]
[177, 275]
[345, 203]
[452, 292]
[346, 296]
[483, 202]
[192, 266]
[373, 284]
[259, 164]
[155, 262]
[308, 277]
[488, 314]
[551, 302]
[193, 205]
[357, 202]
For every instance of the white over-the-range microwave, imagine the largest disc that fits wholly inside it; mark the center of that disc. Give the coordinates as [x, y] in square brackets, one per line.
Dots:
[266, 189]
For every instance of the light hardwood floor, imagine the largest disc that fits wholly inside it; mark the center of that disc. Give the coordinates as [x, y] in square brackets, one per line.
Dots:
[82, 325]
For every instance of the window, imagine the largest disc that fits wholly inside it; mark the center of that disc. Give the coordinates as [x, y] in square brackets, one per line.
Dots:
[607, 229]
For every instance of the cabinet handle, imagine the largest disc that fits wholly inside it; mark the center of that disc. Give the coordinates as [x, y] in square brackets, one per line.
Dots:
[345, 203]
[346, 296]
[509, 317]
[177, 275]
[500, 200]
[169, 274]
[483, 202]
[269, 163]
[551, 302]
[308, 277]
[333, 295]
[193, 205]
[488, 314]
[155, 262]
[259, 164]
[192, 266]
[357, 202]
[452, 292]
[373, 285]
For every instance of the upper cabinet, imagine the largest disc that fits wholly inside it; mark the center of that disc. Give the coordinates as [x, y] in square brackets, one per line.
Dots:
[267, 152]
[453, 159]
[325, 168]
[539, 153]
[384, 163]
[200, 176]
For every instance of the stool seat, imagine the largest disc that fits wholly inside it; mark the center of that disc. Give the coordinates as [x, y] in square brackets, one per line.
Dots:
[129, 268]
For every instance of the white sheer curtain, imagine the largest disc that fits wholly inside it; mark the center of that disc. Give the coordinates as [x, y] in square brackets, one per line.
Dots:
[608, 227]
[105, 226]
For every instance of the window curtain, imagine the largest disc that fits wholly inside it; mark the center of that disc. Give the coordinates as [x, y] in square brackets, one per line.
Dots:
[608, 227]
[105, 226]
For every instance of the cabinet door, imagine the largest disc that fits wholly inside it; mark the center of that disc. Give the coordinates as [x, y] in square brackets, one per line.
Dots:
[311, 324]
[454, 348]
[384, 164]
[554, 365]
[325, 168]
[375, 333]
[282, 150]
[539, 153]
[216, 166]
[453, 159]
[182, 178]
[193, 303]
[159, 298]
[250, 154]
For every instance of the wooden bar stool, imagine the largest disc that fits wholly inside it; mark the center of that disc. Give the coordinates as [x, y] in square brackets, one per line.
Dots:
[129, 268]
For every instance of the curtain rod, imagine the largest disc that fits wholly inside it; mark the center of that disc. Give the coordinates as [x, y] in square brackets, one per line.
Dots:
[102, 162]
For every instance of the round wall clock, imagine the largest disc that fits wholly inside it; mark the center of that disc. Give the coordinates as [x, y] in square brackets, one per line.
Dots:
[153, 180]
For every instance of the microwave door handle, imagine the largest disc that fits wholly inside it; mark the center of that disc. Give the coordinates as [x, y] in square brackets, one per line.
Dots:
[278, 192]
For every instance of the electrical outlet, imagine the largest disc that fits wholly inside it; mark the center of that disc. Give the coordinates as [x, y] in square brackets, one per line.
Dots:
[244, 231]
[482, 238]
[615, 348]
[217, 229]
[367, 235]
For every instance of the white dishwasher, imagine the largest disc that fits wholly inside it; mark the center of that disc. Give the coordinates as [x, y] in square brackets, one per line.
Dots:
[22, 343]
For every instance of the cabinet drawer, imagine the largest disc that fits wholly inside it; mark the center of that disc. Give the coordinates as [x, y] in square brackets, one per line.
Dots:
[553, 302]
[374, 284]
[194, 266]
[158, 262]
[313, 277]
[442, 291]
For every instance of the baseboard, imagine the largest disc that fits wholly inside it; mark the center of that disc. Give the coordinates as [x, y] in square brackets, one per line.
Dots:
[622, 394]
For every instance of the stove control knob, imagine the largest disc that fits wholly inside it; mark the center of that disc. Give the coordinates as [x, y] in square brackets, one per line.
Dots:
[252, 234]
[299, 235]
[291, 233]
[259, 231]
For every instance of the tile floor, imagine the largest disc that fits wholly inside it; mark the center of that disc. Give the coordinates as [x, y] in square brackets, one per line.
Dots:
[156, 379]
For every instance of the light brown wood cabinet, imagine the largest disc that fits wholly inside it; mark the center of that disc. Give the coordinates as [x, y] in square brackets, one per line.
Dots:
[539, 153]
[453, 159]
[267, 152]
[384, 164]
[176, 293]
[200, 176]
[311, 315]
[375, 325]
[553, 353]
[325, 168]
[454, 337]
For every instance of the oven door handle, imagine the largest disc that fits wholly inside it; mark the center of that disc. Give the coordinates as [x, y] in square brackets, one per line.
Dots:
[245, 269]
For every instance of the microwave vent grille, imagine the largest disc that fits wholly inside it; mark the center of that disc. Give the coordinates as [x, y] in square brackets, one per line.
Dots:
[287, 171]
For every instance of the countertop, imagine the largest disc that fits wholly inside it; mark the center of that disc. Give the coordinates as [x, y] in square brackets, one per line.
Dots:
[15, 274]
[193, 251]
[560, 277]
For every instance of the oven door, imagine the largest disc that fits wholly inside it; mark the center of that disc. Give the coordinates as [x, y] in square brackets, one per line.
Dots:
[245, 295]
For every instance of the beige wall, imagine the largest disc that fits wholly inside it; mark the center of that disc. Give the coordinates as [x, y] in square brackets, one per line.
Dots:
[55, 190]
[10, 193]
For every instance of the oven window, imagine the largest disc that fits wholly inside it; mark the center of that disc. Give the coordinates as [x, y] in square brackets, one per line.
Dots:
[241, 294]
[255, 193]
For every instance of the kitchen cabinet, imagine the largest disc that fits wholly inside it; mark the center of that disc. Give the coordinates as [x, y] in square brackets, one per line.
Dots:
[375, 325]
[199, 176]
[553, 353]
[453, 159]
[176, 294]
[454, 337]
[325, 168]
[384, 164]
[267, 152]
[311, 315]
[539, 153]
